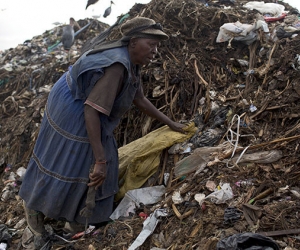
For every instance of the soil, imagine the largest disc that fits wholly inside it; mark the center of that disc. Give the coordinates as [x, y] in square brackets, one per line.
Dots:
[192, 79]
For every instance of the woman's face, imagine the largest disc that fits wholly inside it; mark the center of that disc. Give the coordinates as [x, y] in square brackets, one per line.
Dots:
[142, 50]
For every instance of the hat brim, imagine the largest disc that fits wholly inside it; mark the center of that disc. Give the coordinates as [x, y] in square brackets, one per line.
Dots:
[156, 33]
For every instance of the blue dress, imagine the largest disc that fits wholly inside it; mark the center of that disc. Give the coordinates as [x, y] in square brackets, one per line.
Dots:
[56, 179]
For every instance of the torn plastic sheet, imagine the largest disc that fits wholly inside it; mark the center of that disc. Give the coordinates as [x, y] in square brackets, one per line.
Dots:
[133, 199]
[148, 227]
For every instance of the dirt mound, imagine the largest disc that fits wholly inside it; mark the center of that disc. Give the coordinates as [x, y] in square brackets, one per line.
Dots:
[241, 94]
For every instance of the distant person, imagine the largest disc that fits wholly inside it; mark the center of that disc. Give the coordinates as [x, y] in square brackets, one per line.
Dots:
[83, 109]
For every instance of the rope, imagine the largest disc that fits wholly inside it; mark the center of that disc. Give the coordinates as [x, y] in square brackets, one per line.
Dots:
[236, 119]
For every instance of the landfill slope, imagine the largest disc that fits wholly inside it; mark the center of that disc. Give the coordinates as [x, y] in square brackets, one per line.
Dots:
[225, 88]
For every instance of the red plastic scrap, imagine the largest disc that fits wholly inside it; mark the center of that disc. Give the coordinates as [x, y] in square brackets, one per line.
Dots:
[80, 234]
[143, 215]
[273, 19]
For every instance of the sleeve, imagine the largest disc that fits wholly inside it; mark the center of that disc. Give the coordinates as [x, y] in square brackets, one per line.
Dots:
[106, 89]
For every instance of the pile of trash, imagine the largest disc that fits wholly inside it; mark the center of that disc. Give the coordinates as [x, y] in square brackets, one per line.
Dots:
[231, 71]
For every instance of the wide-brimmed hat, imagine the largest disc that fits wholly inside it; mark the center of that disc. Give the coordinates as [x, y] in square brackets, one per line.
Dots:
[143, 27]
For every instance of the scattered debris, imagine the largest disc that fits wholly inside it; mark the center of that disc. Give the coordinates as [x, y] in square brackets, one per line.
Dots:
[242, 98]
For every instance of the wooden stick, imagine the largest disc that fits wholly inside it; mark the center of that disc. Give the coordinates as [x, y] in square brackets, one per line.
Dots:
[198, 74]
[170, 178]
[228, 154]
[275, 141]
[261, 195]
[280, 232]
[277, 107]
[286, 87]
[263, 108]
[177, 213]
[163, 168]
[187, 214]
[196, 229]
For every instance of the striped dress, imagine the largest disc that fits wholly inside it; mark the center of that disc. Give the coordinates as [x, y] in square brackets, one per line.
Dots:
[56, 179]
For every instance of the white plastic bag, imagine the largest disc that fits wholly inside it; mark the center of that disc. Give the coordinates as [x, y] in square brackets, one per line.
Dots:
[222, 195]
[266, 8]
[227, 31]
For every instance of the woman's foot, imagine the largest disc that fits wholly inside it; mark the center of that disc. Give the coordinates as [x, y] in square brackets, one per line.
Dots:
[72, 228]
[35, 220]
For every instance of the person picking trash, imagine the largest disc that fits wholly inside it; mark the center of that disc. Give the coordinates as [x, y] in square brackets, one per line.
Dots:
[83, 109]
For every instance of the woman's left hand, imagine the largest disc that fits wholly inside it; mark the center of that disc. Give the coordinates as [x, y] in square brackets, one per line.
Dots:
[98, 175]
[176, 126]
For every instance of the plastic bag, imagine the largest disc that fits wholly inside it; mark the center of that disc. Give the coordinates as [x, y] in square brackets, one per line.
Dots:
[229, 30]
[247, 241]
[222, 195]
[269, 8]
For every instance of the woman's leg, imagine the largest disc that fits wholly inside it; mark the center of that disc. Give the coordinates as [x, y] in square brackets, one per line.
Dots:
[35, 220]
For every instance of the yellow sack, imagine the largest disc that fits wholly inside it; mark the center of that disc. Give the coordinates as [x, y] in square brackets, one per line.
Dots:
[140, 159]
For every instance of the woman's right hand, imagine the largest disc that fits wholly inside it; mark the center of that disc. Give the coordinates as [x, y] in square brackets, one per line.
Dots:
[98, 175]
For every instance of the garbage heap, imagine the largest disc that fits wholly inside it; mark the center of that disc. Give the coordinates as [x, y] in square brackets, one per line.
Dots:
[230, 68]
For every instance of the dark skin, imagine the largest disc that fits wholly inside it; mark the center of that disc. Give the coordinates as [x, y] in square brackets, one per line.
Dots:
[141, 51]
[93, 126]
